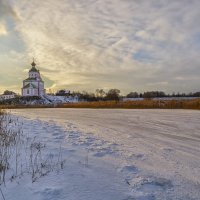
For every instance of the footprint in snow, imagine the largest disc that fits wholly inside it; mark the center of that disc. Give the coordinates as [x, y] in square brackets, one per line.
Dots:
[51, 193]
[73, 135]
[129, 172]
[103, 151]
[137, 156]
[60, 137]
[129, 169]
[100, 154]
[56, 133]
[145, 197]
[149, 188]
[154, 185]
[168, 150]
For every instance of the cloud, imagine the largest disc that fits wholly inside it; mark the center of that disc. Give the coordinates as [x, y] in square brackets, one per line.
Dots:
[6, 12]
[3, 30]
[6, 9]
[128, 44]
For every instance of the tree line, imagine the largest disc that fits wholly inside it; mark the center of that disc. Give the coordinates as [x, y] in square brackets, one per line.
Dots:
[115, 94]
[99, 95]
[160, 94]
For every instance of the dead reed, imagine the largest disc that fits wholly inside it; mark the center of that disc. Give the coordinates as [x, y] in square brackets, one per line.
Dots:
[142, 104]
[21, 154]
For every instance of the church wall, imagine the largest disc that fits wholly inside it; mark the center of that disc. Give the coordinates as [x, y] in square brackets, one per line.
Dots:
[41, 88]
[34, 75]
[30, 92]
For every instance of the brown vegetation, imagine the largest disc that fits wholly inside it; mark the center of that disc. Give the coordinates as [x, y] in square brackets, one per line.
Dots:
[143, 104]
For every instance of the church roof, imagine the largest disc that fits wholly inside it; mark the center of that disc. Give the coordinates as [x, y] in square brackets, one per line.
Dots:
[30, 85]
[33, 69]
[30, 79]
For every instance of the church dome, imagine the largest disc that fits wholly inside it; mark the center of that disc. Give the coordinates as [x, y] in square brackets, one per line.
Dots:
[33, 69]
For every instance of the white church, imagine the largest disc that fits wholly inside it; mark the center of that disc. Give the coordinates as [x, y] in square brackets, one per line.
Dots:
[33, 85]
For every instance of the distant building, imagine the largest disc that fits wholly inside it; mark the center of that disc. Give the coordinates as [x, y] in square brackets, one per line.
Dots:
[63, 92]
[33, 85]
[7, 96]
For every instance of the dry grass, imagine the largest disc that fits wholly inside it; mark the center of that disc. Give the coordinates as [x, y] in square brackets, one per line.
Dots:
[21, 154]
[1, 112]
[144, 104]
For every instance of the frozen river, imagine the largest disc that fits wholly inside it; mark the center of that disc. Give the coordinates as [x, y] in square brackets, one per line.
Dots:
[154, 154]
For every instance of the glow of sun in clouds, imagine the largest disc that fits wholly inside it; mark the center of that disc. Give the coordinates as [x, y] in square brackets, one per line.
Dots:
[84, 45]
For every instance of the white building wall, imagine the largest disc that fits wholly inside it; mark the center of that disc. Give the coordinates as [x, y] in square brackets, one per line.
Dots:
[30, 92]
[34, 75]
[5, 97]
[41, 88]
[35, 92]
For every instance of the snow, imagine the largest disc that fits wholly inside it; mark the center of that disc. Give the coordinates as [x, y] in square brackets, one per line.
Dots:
[113, 154]
[51, 99]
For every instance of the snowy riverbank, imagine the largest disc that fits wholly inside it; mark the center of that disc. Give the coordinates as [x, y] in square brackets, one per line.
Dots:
[114, 154]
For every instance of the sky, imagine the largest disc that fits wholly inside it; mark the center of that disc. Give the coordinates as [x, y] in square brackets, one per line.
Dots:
[132, 45]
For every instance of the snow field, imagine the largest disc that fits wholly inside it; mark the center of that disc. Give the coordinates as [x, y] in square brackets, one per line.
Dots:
[115, 154]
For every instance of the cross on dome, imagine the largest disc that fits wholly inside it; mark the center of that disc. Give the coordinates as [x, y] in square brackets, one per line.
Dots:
[33, 63]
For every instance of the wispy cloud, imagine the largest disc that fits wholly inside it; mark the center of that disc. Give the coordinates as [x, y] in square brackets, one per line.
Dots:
[3, 30]
[6, 9]
[127, 44]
